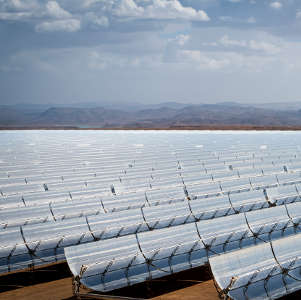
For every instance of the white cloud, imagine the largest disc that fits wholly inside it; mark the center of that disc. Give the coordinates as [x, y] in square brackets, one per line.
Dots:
[128, 8]
[223, 61]
[14, 16]
[173, 9]
[276, 5]
[54, 10]
[298, 14]
[95, 20]
[160, 9]
[68, 25]
[74, 14]
[227, 42]
[100, 60]
[64, 21]
[201, 60]
[31, 10]
[88, 3]
[263, 46]
[250, 20]
[18, 5]
[180, 39]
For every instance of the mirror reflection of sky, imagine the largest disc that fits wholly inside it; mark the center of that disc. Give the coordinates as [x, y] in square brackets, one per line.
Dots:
[150, 51]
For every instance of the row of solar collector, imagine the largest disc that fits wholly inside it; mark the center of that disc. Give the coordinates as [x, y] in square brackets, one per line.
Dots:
[223, 171]
[192, 187]
[169, 169]
[57, 166]
[115, 263]
[147, 206]
[172, 177]
[190, 167]
[121, 151]
[202, 145]
[193, 190]
[144, 162]
[148, 165]
[195, 153]
[35, 183]
[98, 158]
[89, 171]
[43, 243]
[181, 147]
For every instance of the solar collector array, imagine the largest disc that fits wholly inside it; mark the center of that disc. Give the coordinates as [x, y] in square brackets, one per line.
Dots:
[174, 178]
[125, 186]
[85, 207]
[103, 226]
[56, 169]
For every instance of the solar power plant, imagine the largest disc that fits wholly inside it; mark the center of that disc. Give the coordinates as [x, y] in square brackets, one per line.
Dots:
[125, 207]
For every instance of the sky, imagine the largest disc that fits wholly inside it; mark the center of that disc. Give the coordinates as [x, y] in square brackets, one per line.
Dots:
[150, 51]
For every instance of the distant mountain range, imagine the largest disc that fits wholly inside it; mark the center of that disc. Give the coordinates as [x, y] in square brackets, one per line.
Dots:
[170, 114]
